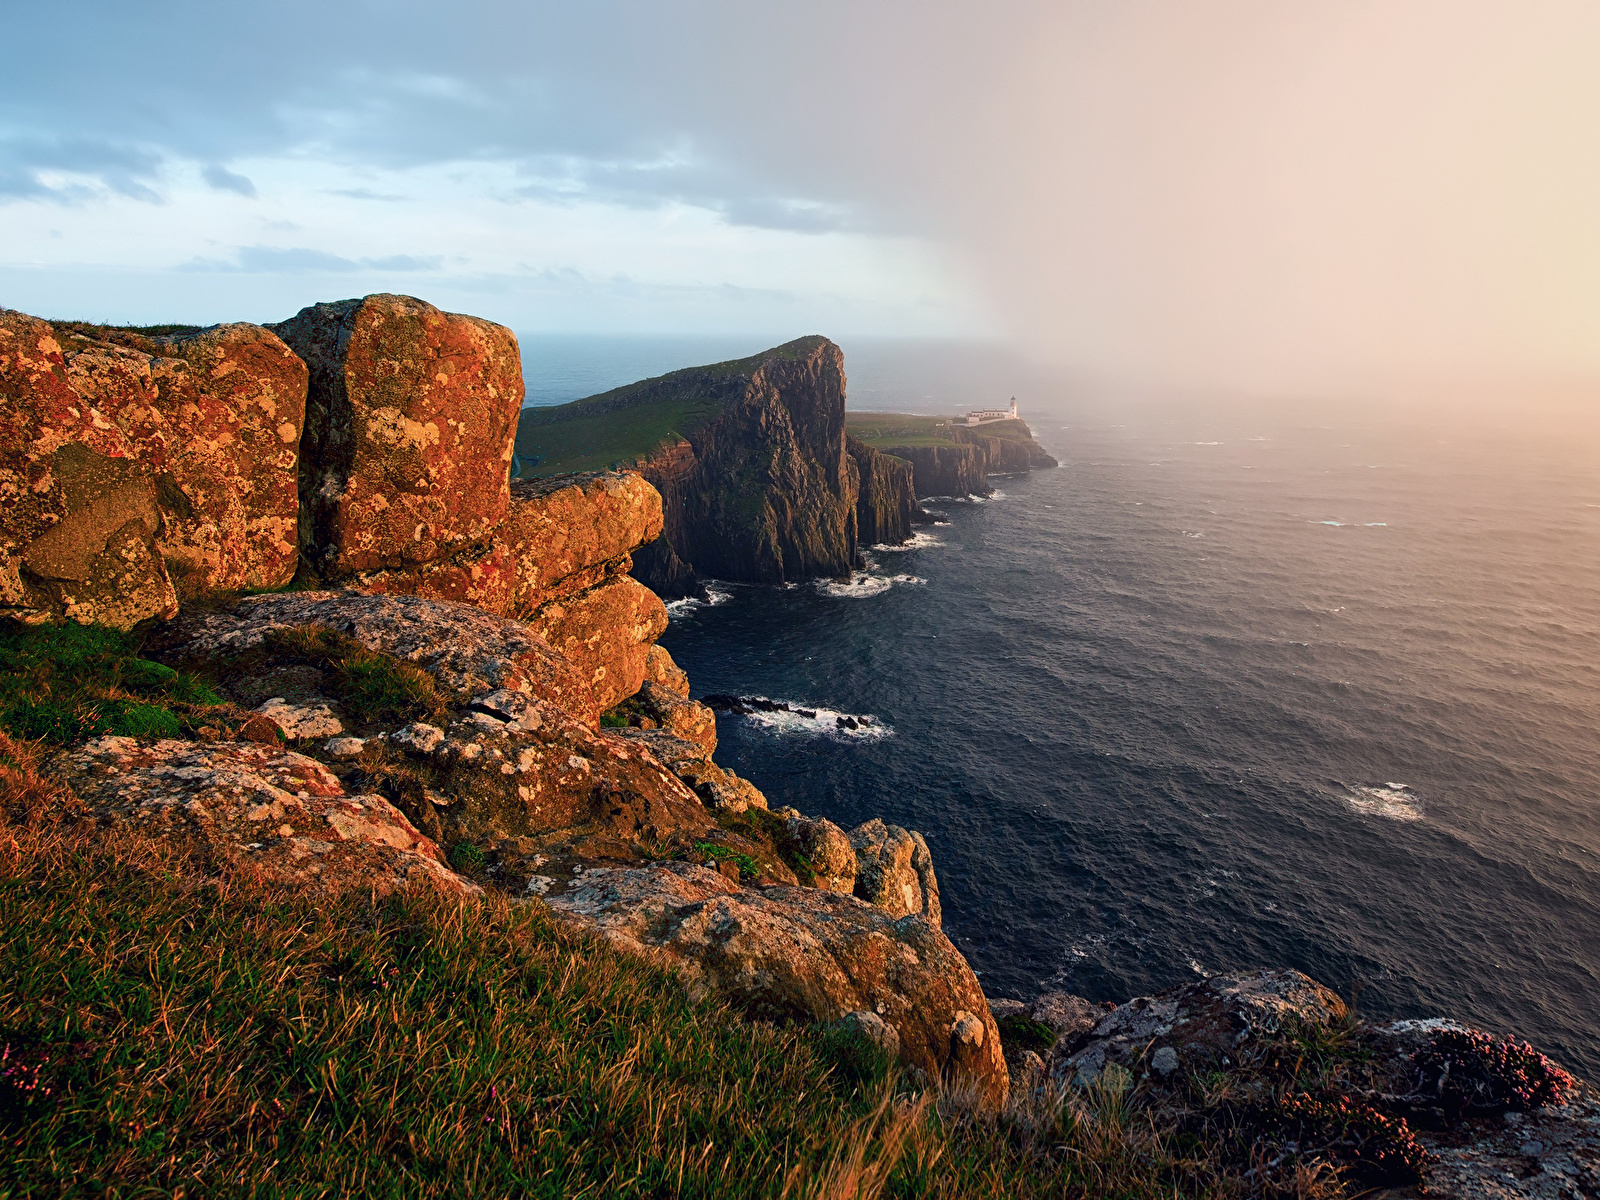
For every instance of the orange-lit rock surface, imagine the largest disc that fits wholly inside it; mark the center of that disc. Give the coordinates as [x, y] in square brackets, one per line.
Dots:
[606, 631]
[409, 421]
[561, 528]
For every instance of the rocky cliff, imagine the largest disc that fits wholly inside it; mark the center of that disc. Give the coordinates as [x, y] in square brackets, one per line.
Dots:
[750, 457]
[465, 693]
[960, 464]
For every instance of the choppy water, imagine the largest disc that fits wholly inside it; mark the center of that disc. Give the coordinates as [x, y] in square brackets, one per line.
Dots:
[1224, 691]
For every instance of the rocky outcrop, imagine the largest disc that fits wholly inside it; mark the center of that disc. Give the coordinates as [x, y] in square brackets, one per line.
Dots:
[963, 469]
[205, 430]
[410, 416]
[887, 501]
[946, 470]
[894, 870]
[278, 813]
[606, 631]
[572, 531]
[1196, 1028]
[806, 954]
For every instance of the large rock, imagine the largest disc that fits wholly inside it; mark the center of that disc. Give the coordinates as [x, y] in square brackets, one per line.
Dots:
[217, 414]
[406, 456]
[660, 670]
[80, 515]
[1196, 1028]
[832, 858]
[658, 708]
[894, 870]
[280, 813]
[212, 417]
[606, 631]
[468, 652]
[946, 470]
[787, 953]
[559, 530]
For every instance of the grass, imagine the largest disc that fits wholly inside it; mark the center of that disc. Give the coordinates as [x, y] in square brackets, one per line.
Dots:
[164, 1031]
[881, 430]
[60, 683]
[371, 686]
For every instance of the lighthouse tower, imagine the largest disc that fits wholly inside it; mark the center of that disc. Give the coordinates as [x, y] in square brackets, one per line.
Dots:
[1013, 408]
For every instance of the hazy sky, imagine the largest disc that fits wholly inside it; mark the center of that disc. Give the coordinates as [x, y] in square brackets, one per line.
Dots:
[1270, 193]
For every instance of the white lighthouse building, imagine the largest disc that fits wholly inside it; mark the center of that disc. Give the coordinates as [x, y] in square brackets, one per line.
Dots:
[985, 415]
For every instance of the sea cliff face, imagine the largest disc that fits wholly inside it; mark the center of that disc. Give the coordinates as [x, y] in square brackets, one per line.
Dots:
[963, 469]
[887, 503]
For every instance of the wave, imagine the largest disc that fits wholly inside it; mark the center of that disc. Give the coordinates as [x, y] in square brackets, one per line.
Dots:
[863, 584]
[716, 593]
[1393, 801]
[1354, 524]
[917, 541]
[798, 718]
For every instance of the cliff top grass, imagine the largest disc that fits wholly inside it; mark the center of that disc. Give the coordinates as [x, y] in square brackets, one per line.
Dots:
[880, 430]
[624, 424]
[166, 1027]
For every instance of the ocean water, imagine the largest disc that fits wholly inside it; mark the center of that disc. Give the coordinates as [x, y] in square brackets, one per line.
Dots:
[1232, 687]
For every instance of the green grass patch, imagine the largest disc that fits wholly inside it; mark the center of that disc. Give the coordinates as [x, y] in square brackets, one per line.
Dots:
[59, 683]
[880, 430]
[1025, 1033]
[373, 686]
[169, 1033]
[593, 443]
[749, 868]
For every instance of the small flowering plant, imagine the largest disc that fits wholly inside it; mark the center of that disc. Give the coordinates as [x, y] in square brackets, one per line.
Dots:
[1471, 1073]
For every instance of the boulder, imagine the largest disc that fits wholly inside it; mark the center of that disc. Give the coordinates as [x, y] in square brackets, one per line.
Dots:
[827, 848]
[660, 670]
[804, 954]
[606, 632]
[718, 789]
[410, 415]
[468, 652]
[1198, 1027]
[686, 719]
[213, 418]
[280, 813]
[80, 515]
[559, 530]
[894, 870]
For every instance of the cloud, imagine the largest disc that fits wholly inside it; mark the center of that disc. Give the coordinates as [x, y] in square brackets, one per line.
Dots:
[301, 260]
[226, 181]
[73, 169]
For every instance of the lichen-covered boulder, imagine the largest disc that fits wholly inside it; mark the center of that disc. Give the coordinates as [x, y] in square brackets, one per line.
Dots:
[687, 719]
[411, 412]
[827, 848]
[468, 652]
[80, 515]
[791, 953]
[245, 804]
[660, 670]
[1198, 1027]
[561, 529]
[718, 789]
[894, 870]
[212, 418]
[606, 632]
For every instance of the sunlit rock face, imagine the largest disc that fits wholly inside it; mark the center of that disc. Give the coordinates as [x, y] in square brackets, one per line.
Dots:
[409, 422]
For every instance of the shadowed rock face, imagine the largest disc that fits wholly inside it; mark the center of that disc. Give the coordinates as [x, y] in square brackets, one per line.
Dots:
[806, 954]
[887, 499]
[963, 470]
[409, 422]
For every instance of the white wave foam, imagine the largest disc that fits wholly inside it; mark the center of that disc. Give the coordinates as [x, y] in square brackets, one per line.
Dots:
[1208, 443]
[1394, 801]
[823, 723]
[917, 541]
[863, 584]
[715, 594]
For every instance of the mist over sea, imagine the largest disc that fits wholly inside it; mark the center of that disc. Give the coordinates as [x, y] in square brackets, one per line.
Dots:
[1238, 685]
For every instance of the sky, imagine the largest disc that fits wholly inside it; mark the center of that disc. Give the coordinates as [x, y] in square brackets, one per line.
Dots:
[1260, 194]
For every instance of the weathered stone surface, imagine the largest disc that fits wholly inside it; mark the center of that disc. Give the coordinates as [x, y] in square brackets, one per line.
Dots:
[279, 812]
[80, 517]
[894, 870]
[558, 528]
[1068, 1015]
[718, 789]
[301, 720]
[946, 470]
[827, 848]
[469, 652]
[483, 576]
[411, 412]
[660, 670]
[1550, 1153]
[212, 417]
[1197, 1027]
[784, 953]
[606, 632]
[873, 1028]
[687, 719]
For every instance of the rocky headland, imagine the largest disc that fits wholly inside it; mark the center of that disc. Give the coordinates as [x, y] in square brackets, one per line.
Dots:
[949, 459]
[361, 662]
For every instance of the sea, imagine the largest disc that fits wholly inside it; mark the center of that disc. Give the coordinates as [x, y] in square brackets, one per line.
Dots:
[1243, 682]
